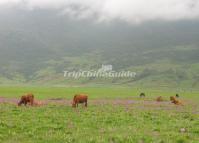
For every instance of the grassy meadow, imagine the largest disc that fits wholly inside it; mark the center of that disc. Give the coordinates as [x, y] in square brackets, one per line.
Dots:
[101, 92]
[142, 121]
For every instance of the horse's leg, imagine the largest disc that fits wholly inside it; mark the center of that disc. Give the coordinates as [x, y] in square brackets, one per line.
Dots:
[31, 103]
[86, 103]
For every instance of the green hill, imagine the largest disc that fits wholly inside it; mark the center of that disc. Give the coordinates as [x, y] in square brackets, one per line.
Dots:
[37, 46]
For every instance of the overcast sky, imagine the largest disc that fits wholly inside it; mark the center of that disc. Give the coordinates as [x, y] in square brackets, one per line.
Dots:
[131, 11]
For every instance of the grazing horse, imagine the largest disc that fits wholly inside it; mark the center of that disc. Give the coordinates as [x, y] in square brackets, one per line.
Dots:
[79, 98]
[175, 101]
[142, 94]
[159, 99]
[177, 96]
[25, 99]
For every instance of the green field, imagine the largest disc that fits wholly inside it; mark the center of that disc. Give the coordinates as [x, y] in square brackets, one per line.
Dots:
[113, 92]
[144, 121]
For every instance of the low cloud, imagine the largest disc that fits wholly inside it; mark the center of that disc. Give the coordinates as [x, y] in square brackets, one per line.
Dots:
[132, 11]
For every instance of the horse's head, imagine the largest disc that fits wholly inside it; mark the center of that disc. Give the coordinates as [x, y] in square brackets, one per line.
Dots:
[20, 102]
[73, 104]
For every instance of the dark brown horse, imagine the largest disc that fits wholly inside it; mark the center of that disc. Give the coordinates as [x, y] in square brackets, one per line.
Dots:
[25, 99]
[142, 94]
[79, 98]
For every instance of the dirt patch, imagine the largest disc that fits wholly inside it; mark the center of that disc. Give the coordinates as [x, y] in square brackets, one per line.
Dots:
[91, 101]
[128, 103]
[8, 100]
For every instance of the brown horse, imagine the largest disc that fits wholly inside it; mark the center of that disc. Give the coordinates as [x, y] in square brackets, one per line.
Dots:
[25, 99]
[159, 99]
[79, 98]
[175, 101]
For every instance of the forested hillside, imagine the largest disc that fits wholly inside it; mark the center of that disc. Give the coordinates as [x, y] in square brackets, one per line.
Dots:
[37, 46]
